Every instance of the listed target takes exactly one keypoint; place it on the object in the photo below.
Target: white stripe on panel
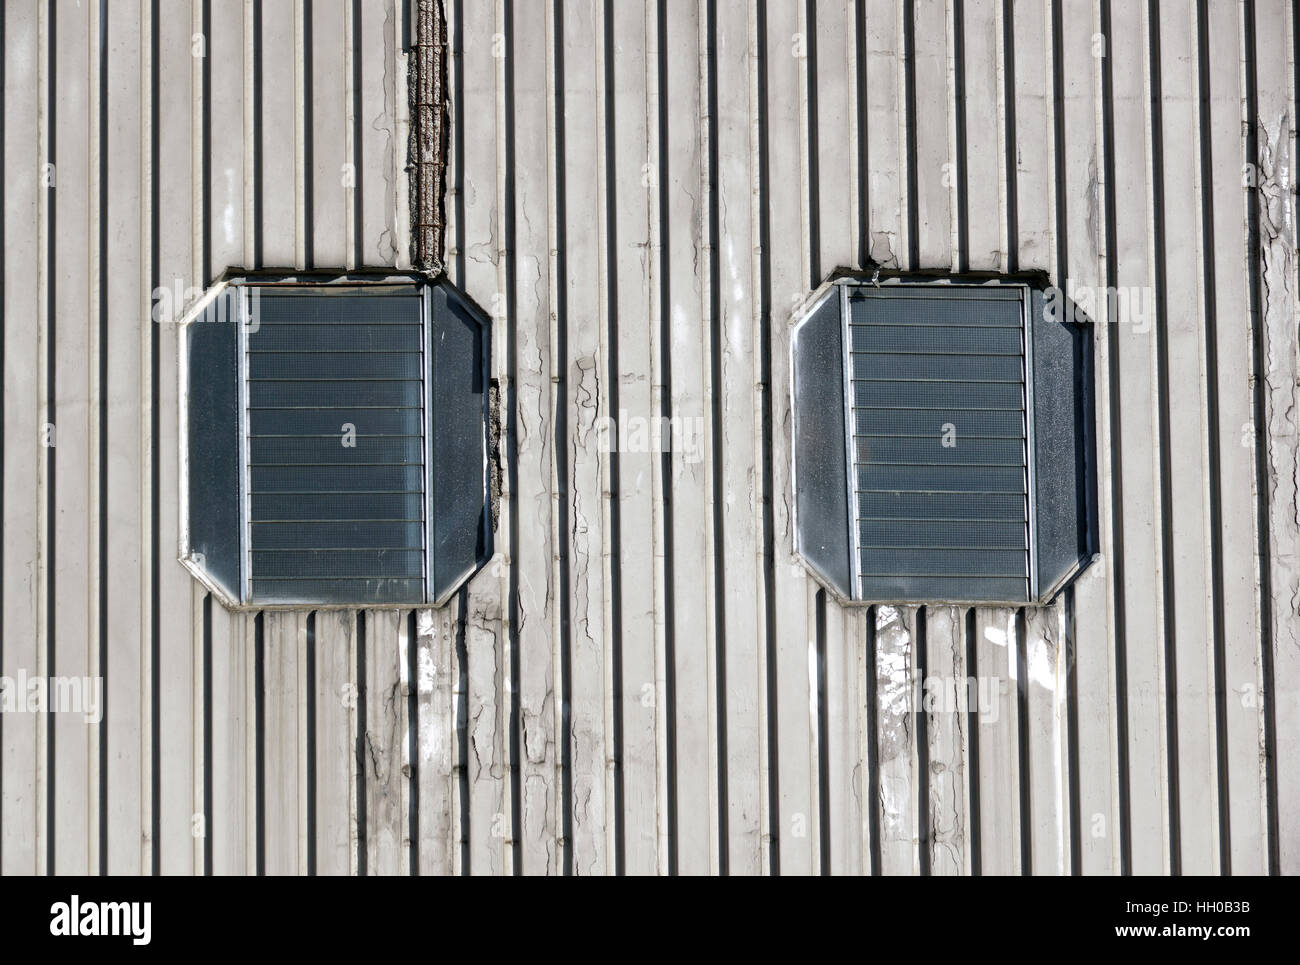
(1092, 654)
(284, 742)
(225, 151)
(126, 396)
(694, 750)
(1044, 688)
(277, 152)
(984, 147)
(232, 678)
(1135, 344)
(385, 743)
(73, 326)
(537, 630)
(333, 175)
(436, 740)
(178, 721)
(936, 175)
(634, 430)
(586, 402)
(886, 144)
(480, 186)
(896, 673)
(1241, 618)
(335, 697)
(998, 739)
(796, 778)
(383, 155)
(945, 699)
(742, 638)
(23, 451)
(1193, 596)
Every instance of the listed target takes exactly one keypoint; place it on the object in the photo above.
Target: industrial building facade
(644, 199)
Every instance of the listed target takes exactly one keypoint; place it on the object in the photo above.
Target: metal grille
(335, 447)
(940, 479)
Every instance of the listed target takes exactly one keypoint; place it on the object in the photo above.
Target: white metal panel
(659, 185)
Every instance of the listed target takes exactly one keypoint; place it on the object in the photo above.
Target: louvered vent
(335, 447)
(939, 442)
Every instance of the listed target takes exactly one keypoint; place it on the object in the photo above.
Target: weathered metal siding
(644, 678)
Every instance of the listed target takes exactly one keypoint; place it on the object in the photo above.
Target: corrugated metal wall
(644, 678)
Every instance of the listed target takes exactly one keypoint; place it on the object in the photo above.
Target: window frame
(240, 282)
(1030, 285)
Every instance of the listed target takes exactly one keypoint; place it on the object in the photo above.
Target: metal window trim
(327, 282)
(850, 464)
(184, 548)
(1031, 449)
(426, 433)
(801, 315)
(245, 455)
(484, 323)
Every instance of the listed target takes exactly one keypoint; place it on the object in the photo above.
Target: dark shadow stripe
(1009, 132)
(362, 769)
(974, 821)
(909, 119)
(1259, 413)
(823, 748)
(461, 766)
(358, 182)
(921, 643)
(257, 136)
(1061, 228)
(1022, 745)
(814, 163)
(510, 450)
(413, 742)
(768, 484)
(4, 326)
(51, 361)
(458, 126)
(308, 139)
(209, 816)
(259, 739)
(102, 359)
(873, 745)
(615, 481)
(1116, 561)
(715, 411)
(205, 137)
(1210, 301)
(859, 14)
(959, 122)
(666, 458)
(1163, 408)
(559, 375)
(155, 510)
(310, 698)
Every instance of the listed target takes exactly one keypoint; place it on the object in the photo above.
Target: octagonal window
(943, 440)
(335, 440)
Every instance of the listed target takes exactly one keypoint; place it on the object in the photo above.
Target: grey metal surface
(458, 510)
(821, 494)
(215, 466)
